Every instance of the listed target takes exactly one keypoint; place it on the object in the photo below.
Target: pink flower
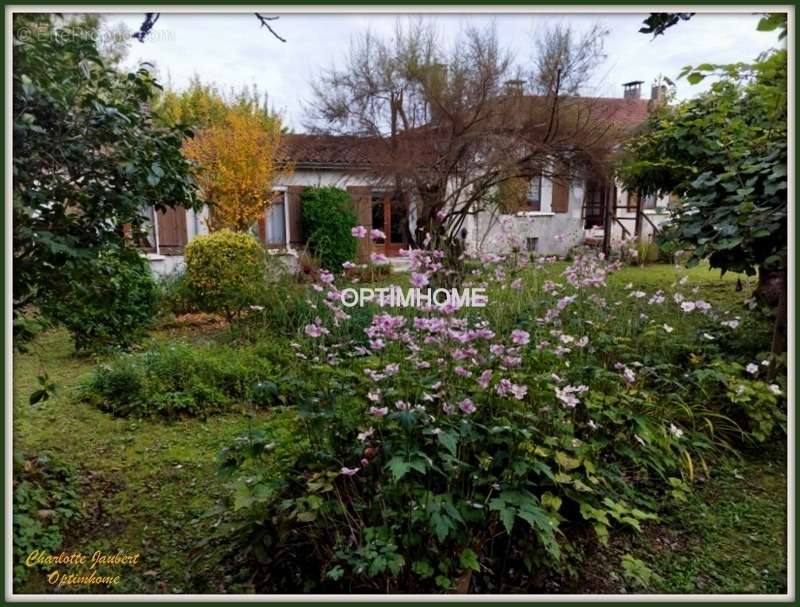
(752, 368)
(484, 379)
(345, 471)
(379, 259)
(503, 387)
(517, 284)
(377, 234)
(687, 306)
(519, 392)
(629, 375)
(567, 395)
(520, 337)
(467, 406)
(313, 330)
(379, 411)
(419, 280)
(359, 231)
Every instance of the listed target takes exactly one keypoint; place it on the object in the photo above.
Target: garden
(602, 421)
(590, 407)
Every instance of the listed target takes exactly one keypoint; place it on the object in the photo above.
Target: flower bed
(454, 449)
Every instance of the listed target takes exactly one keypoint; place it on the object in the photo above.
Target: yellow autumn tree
(237, 166)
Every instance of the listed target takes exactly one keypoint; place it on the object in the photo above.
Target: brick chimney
(514, 87)
(437, 85)
(632, 89)
(658, 92)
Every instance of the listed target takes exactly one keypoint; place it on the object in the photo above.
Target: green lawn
(146, 485)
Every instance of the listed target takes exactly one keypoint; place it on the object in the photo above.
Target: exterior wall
(164, 263)
(324, 178)
(359, 185)
(556, 233)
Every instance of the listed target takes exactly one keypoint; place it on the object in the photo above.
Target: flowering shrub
(446, 448)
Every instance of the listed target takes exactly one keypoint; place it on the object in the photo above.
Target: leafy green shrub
(111, 306)
(476, 449)
(226, 271)
(177, 296)
(328, 219)
(180, 380)
(45, 503)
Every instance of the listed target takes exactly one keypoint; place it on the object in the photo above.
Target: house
(318, 160)
(554, 215)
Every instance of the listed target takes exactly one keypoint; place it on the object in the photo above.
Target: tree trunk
(779, 330)
(768, 290)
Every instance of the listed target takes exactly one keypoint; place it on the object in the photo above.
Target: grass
(147, 485)
(729, 537)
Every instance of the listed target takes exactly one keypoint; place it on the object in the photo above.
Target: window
(535, 193)
(276, 222)
(531, 244)
(147, 237)
(650, 201)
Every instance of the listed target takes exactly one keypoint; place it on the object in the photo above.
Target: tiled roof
(330, 151)
(353, 152)
(623, 112)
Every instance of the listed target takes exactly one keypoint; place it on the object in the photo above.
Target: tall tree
(237, 165)
(87, 158)
(201, 105)
(449, 124)
(724, 153)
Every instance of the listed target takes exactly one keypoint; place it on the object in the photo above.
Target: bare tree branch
(147, 25)
(445, 126)
(151, 18)
(265, 23)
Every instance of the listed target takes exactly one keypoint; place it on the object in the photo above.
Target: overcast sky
(232, 50)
